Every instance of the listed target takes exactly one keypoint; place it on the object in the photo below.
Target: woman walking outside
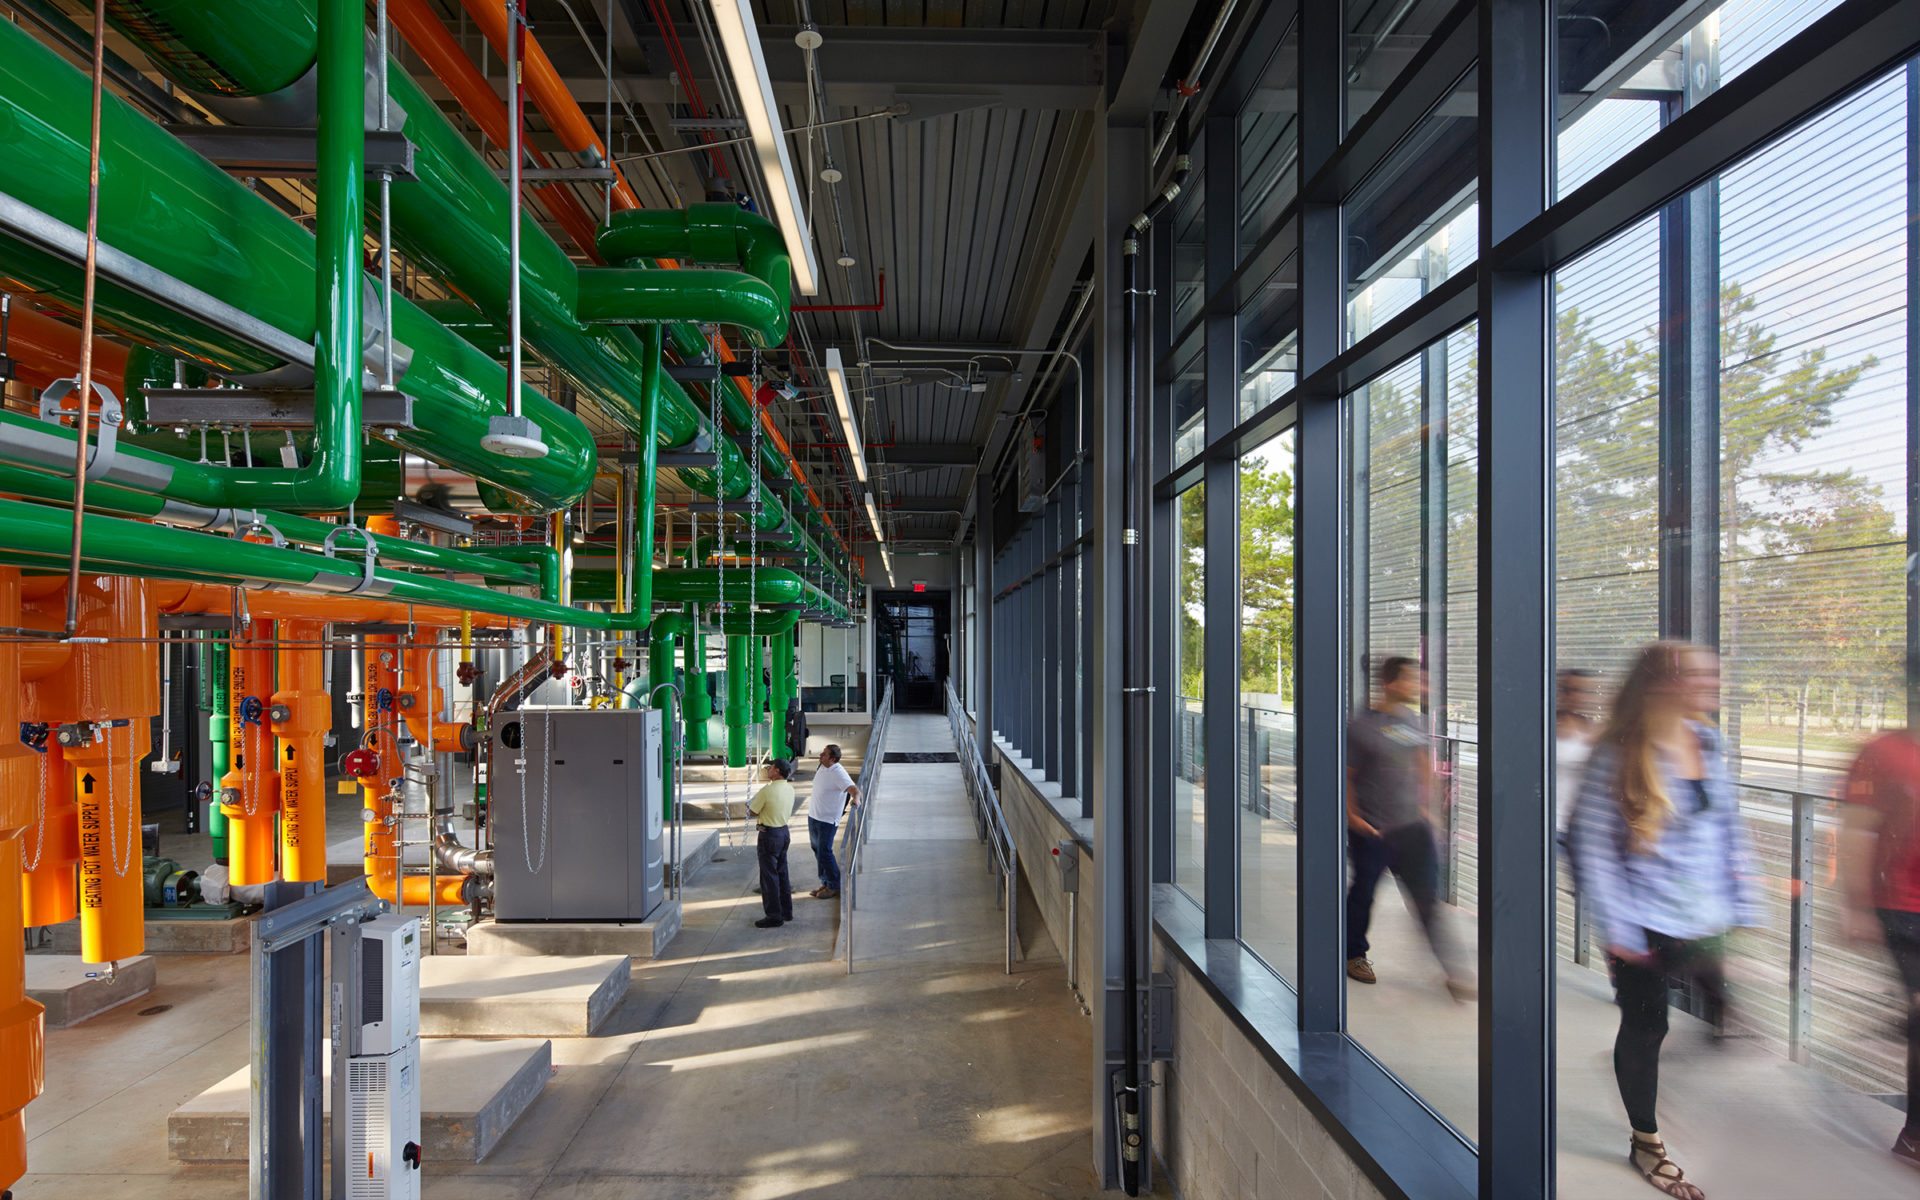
(1660, 852)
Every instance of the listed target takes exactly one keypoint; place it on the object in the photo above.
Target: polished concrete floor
(746, 1064)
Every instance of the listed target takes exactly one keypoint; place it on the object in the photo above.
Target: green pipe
(219, 735)
(781, 693)
(644, 295)
(204, 47)
(759, 677)
(19, 481)
(759, 624)
(699, 700)
(713, 235)
(738, 694)
(168, 207)
(542, 557)
(648, 474)
(660, 648)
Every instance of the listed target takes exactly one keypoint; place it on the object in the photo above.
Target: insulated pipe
(758, 646)
(172, 212)
(44, 349)
(780, 692)
(52, 886)
(380, 832)
(112, 885)
(739, 694)
(302, 712)
(219, 736)
(667, 630)
(22, 1031)
(250, 790)
(697, 704)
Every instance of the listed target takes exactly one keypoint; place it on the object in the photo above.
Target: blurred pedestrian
(1576, 698)
(1389, 786)
(1661, 853)
(772, 808)
(1880, 874)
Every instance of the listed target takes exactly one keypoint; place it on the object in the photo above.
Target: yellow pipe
(112, 883)
(557, 537)
(466, 639)
(302, 712)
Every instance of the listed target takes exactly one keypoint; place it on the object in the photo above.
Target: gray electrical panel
(577, 814)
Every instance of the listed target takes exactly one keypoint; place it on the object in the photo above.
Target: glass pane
(1654, 55)
(1412, 743)
(1270, 145)
(1189, 661)
(1795, 562)
(1189, 398)
(1270, 340)
(1189, 245)
(1413, 223)
(1383, 36)
(1269, 833)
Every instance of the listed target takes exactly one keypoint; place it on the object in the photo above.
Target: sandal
(1664, 1174)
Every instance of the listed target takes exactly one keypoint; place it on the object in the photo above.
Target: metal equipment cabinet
(577, 814)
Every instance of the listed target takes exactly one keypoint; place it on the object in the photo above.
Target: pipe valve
(251, 709)
(280, 714)
(361, 764)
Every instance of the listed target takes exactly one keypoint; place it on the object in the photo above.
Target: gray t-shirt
(1388, 754)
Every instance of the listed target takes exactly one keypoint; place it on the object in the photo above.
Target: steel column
(1220, 700)
(1515, 579)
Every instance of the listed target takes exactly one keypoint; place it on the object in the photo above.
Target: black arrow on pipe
(86, 783)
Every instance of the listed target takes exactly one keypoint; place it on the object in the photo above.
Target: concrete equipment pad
(697, 848)
(211, 936)
(72, 990)
(495, 995)
(471, 1093)
(645, 940)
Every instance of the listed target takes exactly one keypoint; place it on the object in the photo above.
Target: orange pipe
(45, 349)
(302, 713)
(106, 789)
(550, 94)
(380, 842)
(250, 793)
(427, 34)
(175, 597)
(51, 892)
(22, 1030)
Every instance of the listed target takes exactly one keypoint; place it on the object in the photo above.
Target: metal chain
(753, 548)
(40, 815)
(121, 863)
(720, 566)
(546, 792)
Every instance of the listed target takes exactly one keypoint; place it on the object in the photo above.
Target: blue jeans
(821, 833)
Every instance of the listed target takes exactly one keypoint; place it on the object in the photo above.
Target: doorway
(910, 646)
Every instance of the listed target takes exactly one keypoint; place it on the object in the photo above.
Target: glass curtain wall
(1718, 443)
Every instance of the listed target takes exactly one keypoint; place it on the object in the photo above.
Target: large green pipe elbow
(709, 234)
(539, 555)
(646, 295)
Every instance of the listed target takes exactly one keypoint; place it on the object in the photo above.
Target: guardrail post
(1800, 926)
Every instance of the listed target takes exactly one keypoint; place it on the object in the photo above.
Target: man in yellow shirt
(772, 807)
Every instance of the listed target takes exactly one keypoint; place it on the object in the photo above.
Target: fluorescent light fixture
(873, 517)
(740, 39)
(886, 561)
(843, 404)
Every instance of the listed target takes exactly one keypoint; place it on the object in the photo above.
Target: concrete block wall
(1230, 1127)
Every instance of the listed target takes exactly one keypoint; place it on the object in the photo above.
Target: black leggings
(1903, 942)
(1641, 991)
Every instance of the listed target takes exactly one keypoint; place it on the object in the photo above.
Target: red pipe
(876, 306)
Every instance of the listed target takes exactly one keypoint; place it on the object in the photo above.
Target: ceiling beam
(924, 454)
(931, 70)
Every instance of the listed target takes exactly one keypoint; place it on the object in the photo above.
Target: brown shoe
(816, 893)
(1360, 970)
(828, 893)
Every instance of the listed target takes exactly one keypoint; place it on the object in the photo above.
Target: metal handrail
(860, 821)
(990, 820)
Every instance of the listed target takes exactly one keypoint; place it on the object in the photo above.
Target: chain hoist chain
(546, 785)
(40, 813)
(121, 862)
(753, 550)
(720, 562)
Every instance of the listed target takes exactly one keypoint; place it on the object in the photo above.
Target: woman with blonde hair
(1661, 854)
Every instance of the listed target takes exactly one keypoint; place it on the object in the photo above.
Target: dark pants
(1903, 942)
(1410, 853)
(1640, 989)
(821, 834)
(776, 889)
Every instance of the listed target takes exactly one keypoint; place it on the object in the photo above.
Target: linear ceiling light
(873, 517)
(843, 404)
(741, 40)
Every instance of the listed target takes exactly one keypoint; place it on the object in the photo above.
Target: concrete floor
(745, 1064)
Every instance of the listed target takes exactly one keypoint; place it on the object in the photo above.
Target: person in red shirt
(1880, 871)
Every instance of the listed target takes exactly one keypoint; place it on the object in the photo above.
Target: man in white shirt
(833, 790)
